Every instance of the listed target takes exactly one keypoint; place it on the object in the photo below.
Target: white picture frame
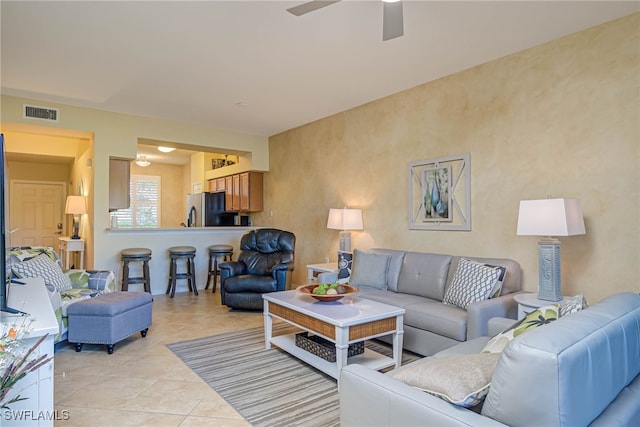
(450, 178)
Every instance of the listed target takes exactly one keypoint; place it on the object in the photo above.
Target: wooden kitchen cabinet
(229, 192)
(235, 193)
(244, 191)
(218, 184)
(251, 192)
(119, 173)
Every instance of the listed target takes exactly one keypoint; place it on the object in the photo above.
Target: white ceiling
(250, 66)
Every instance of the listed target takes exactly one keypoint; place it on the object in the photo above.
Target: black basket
(323, 348)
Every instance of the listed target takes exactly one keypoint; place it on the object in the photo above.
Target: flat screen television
(4, 204)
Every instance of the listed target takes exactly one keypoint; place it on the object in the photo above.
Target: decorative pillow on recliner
(471, 283)
(369, 270)
(535, 319)
(462, 380)
(43, 266)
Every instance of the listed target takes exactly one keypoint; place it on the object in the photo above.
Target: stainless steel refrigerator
(208, 210)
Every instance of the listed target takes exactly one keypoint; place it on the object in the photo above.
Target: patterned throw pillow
(462, 380)
(100, 280)
(43, 266)
(574, 304)
(535, 319)
(471, 283)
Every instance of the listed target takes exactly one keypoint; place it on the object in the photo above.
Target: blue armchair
(265, 264)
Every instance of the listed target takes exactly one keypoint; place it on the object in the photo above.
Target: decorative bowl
(308, 290)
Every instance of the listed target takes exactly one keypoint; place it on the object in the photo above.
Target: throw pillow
(472, 282)
(100, 280)
(497, 289)
(396, 258)
(43, 266)
(369, 270)
(535, 319)
(573, 304)
(462, 380)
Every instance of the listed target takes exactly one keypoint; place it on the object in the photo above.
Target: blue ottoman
(109, 318)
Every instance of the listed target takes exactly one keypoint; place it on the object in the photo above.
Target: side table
(314, 269)
(529, 302)
(67, 245)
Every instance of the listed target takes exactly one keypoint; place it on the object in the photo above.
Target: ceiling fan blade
(392, 23)
(310, 6)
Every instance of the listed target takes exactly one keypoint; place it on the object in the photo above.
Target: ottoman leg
(110, 348)
(78, 346)
(144, 332)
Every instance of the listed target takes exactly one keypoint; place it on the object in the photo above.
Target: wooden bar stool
(215, 252)
(142, 255)
(187, 253)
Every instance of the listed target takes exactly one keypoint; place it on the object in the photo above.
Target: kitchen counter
(159, 240)
(173, 230)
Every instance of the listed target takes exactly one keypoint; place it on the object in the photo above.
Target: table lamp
(345, 220)
(76, 206)
(550, 217)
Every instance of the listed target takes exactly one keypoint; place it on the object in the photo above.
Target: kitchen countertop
(173, 230)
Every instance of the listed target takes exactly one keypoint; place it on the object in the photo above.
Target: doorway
(36, 212)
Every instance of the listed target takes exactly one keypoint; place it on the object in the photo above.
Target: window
(144, 211)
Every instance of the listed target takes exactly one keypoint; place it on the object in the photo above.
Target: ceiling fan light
(165, 149)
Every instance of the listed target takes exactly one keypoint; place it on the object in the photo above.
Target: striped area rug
(267, 387)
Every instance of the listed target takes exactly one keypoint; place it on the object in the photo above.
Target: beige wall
(39, 171)
(561, 119)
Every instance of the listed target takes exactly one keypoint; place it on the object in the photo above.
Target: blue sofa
(580, 370)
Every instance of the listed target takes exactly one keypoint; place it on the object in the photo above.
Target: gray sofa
(583, 369)
(417, 282)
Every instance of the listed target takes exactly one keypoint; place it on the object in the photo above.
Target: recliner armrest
(231, 268)
(282, 273)
(283, 266)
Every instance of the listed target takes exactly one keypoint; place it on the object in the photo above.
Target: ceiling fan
(392, 25)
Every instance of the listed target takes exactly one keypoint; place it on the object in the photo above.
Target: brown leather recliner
(265, 264)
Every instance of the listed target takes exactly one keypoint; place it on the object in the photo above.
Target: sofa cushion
(424, 275)
(45, 267)
(462, 380)
(431, 315)
(369, 270)
(388, 297)
(472, 282)
(539, 317)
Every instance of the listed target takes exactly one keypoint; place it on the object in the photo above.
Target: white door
(36, 212)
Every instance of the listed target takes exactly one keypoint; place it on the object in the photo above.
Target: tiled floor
(142, 383)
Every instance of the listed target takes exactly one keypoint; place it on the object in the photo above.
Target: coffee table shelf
(342, 322)
(371, 359)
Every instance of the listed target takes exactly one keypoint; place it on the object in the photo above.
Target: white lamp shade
(76, 205)
(550, 217)
(345, 219)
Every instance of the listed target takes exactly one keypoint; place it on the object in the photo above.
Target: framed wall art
(440, 194)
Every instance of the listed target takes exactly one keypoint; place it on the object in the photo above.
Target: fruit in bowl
(327, 291)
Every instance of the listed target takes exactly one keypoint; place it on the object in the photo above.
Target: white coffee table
(342, 322)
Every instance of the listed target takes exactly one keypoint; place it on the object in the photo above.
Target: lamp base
(345, 241)
(76, 229)
(549, 284)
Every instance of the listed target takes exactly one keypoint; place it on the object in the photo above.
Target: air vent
(41, 113)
